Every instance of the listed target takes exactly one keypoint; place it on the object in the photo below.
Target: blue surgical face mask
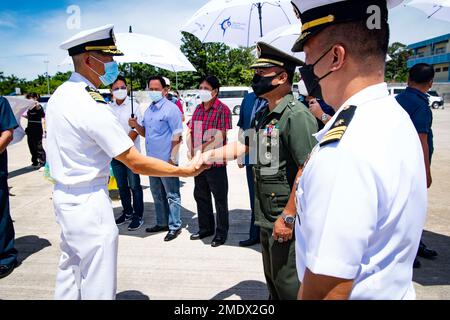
(155, 96)
(111, 72)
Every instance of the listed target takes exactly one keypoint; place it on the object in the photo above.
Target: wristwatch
(324, 117)
(288, 219)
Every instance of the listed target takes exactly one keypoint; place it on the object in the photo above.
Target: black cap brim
(304, 37)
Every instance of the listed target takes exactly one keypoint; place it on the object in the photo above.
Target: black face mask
(262, 85)
(312, 82)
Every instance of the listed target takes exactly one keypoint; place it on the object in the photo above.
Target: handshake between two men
(153, 167)
(213, 152)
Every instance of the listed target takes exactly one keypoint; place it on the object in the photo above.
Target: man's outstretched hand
(207, 157)
(196, 166)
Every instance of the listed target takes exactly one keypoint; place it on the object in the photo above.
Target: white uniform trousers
(89, 239)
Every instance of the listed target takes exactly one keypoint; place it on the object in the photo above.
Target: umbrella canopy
(239, 22)
(140, 48)
(19, 106)
(151, 50)
(283, 39)
(439, 9)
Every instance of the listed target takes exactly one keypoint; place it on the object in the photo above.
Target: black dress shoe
(173, 234)
(7, 270)
(157, 229)
(249, 242)
(217, 242)
(426, 253)
(416, 264)
(201, 235)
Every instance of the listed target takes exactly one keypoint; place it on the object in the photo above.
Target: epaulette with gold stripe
(96, 95)
(339, 127)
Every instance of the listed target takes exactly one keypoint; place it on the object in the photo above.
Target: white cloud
(8, 20)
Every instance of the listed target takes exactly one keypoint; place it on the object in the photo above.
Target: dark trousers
(34, 139)
(129, 183)
(279, 267)
(213, 181)
(8, 254)
(254, 230)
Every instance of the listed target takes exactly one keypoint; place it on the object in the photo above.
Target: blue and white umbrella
(239, 22)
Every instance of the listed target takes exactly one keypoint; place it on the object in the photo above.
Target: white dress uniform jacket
(362, 200)
(83, 136)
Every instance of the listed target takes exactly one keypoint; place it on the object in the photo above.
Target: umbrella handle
(132, 116)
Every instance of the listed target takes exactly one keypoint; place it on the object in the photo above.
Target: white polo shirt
(362, 201)
(123, 114)
(83, 135)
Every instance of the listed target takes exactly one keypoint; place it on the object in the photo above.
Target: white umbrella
(140, 48)
(239, 22)
(152, 50)
(19, 106)
(439, 9)
(283, 38)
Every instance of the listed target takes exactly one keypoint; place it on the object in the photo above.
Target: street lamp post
(46, 73)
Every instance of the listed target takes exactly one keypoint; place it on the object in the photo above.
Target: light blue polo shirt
(162, 121)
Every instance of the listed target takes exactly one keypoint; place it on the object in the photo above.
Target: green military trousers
(279, 267)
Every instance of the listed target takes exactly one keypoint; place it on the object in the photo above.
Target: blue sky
(31, 30)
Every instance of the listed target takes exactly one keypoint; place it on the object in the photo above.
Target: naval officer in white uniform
(361, 199)
(83, 136)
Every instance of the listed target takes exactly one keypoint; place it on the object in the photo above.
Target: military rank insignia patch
(95, 95)
(339, 127)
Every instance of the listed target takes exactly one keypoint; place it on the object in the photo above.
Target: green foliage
(396, 69)
(8, 84)
(230, 66)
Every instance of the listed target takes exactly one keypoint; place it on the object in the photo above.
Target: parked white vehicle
(393, 91)
(233, 96)
(434, 100)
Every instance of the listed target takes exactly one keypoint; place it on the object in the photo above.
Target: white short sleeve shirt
(123, 114)
(83, 135)
(362, 201)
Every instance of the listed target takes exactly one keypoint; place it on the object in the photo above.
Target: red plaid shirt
(208, 123)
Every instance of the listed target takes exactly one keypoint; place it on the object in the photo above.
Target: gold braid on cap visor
(318, 22)
(263, 60)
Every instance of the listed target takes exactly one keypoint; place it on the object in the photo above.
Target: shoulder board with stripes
(339, 127)
(95, 95)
